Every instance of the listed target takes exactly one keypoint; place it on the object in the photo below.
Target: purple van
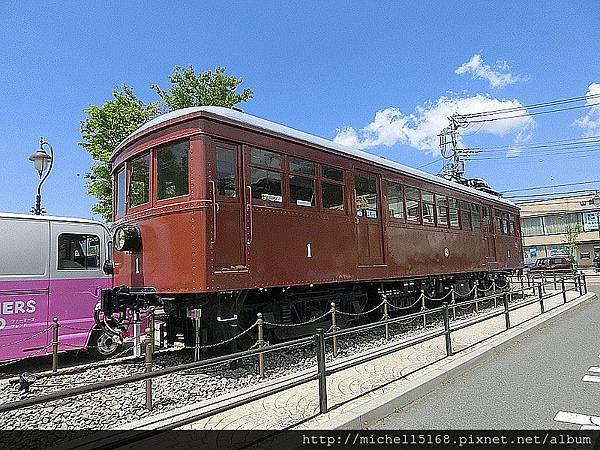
(52, 267)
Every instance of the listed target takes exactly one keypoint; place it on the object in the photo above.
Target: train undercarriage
(297, 310)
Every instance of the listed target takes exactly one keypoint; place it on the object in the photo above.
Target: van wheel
(103, 345)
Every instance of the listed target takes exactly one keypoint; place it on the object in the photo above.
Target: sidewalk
(402, 375)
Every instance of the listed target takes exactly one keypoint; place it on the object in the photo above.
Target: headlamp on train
(128, 238)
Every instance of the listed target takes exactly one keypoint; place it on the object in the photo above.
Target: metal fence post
(386, 317)
(137, 331)
(320, 342)
(564, 291)
(453, 300)
(334, 329)
(541, 297)
(476, 296)
(148, 365)
(584, 283)
(152, 324)
(55, 344)
(447, 330)
(506, 310)
(580, 286)
(423, 309)
(521, 279)
(554, 279)
(261, 343)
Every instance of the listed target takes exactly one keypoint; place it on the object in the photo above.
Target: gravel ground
(117, 406)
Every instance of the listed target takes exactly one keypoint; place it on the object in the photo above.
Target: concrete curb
(397, 396)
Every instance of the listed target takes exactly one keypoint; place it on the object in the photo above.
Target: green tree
(572, 231)
(207, 88)
(103, 129)
(107, 125)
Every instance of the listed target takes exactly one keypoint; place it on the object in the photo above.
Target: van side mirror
(108, 267)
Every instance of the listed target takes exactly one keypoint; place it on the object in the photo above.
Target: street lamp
(41, 161)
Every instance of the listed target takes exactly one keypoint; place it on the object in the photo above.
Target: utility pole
(454, 166)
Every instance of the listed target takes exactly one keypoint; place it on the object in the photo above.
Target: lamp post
(41, 161)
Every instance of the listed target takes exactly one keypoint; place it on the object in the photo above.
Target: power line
(547, 194)
(536, 188)
(528, 114)
(529, 107)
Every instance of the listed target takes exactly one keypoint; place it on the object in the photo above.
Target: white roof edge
(8, 215)
(267, 125)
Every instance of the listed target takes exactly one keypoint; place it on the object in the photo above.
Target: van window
(172, 170)
(78, 252)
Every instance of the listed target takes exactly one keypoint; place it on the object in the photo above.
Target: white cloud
(497, 78)
(420, 129)
(590, 122)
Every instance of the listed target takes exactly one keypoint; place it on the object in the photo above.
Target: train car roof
(263, 124)
(8, 215)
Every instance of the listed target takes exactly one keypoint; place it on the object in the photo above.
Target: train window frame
(465, 216)
(130, 164)
(399, 196)
(324, 180)
(475, 212)
(453, 205)
(428, 200)
(120, 194)
(156, 189)
(441, 202)
(281, 171)
(294, 173)
(236, 167)
(413, 219)
(366, 213)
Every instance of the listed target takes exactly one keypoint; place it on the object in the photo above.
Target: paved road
(525, 386)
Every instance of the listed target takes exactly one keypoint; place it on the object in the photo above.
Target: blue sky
(322, 67)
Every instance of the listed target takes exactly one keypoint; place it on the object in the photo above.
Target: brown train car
(223, 211)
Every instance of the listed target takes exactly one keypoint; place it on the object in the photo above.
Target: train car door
(228, 238)
(369, 225)
(488, 234)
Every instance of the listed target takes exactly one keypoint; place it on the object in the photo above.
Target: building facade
(547, 226)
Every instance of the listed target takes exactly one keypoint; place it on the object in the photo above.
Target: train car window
(172, 170)
(120, 193)
(302, 191)
(487, 226)
(265, 158)
(366, 196)
(301, 166)
(331, 173)
(465, 215)
(332, 196)
(504, 223)
(395, 200)
(498, 221)
(453, 212)
(78, 252)
(475, 218)
(413, 204)
(428, 208)
(512, 229)
(139, 181)
(442, 210)
(226, 172)
(266, 185)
